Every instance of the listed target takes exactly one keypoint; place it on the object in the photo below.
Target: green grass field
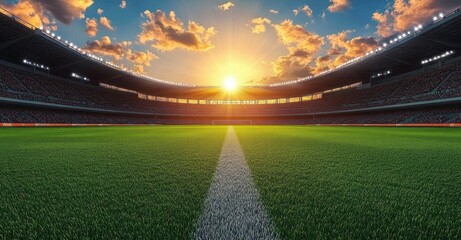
(356, 183)
(151, 182)
(111, 183)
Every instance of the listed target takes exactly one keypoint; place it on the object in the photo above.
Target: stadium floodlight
(35, 65)
(75, 75)
(441, 15)
(381, 74)
(435, 58)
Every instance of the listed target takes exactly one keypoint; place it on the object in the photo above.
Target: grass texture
(105, 183)
(357, 183)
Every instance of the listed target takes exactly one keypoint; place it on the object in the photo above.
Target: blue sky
(222, 39)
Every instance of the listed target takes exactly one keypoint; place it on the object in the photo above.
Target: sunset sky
(205, 41)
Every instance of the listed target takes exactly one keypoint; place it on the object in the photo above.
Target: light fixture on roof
(435, 58)
(75, 75)
(382, 74)
(35, 65)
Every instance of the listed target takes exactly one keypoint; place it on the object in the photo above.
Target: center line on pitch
(233, 209)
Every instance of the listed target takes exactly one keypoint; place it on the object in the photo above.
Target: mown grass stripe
(233, 209)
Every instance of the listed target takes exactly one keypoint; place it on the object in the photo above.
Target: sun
(230, 84)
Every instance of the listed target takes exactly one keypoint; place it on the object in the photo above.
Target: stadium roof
(19, 41)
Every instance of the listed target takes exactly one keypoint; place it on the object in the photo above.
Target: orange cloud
(140, 58)
(259, 25)
(91, 27)
(226, 6)
(404, 14)
(168, 33)
(121, 51)
(302, 46)
(343, 49)
(384, 28)
(30, 12)
(306, 9)
(44, 12)
(107, 48)
(296, 37)
(338, 5)
(106, 23)
(138, 68)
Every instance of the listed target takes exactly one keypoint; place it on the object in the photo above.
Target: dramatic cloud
(168, 33)
(343, 49)
(138, 68)
(274, 11)
(100, 11)
(30, 12)
(44, 12)
(259, 25)
(383, 29)
(91, 27)
(121, 51)
(140, 58)
(106, 23)
(306, 9)
(122, 4)
(338, 5)
(107, 48)
(226, 6)
(302, 46)
(296, 37)
(404, 14)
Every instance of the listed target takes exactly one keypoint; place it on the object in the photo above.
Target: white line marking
(233, 209)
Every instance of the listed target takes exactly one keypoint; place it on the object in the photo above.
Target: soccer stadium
(333, 119)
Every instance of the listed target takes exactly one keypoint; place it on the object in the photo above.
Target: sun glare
(230, 84)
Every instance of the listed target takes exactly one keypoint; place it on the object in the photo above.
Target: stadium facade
(413, 77)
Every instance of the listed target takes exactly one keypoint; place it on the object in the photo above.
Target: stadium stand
(439, 83)
(435, 84)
